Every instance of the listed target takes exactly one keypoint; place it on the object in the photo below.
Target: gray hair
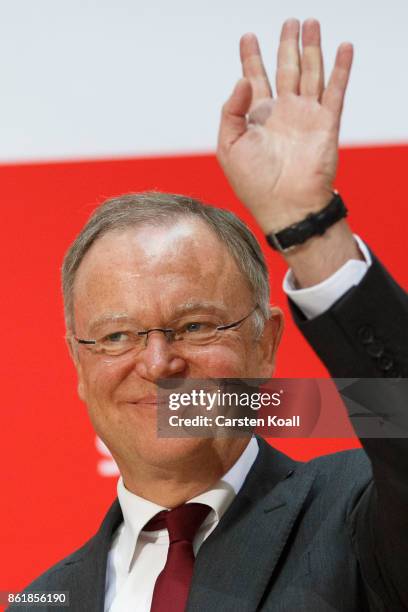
(158, 208)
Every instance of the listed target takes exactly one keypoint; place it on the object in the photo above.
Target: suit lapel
(84, 573)
(237, 561)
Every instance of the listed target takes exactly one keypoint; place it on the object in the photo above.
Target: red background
(53, 498)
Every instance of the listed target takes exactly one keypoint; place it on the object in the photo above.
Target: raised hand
(280, 154)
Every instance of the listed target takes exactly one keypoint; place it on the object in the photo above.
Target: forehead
(154, 268)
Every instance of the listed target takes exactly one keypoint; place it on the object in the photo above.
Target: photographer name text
(223, 421)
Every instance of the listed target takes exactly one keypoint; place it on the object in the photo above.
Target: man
(146, 275)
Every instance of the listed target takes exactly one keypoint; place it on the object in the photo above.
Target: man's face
(148, 276)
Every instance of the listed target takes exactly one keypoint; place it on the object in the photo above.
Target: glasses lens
(118, 343)
(196, 331)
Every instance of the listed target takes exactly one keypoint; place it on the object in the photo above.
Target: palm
(299, 139)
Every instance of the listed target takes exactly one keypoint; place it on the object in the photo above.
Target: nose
(159, 358)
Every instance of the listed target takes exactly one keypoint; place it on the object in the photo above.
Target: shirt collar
(137, 511)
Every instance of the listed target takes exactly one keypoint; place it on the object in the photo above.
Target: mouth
(148, 400)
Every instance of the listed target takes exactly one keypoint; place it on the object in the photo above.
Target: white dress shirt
(137, 557)
(315, 300)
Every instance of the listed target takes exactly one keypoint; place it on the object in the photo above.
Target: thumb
(233, 117)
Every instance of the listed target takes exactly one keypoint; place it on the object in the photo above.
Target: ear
(73, 351)
(71, 344)
(269, 341)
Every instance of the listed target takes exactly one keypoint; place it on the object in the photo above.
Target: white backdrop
(107, 78)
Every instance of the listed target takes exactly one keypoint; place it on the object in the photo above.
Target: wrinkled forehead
(187, 246)
(148, 263)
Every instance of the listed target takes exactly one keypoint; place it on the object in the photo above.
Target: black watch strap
(315, 224)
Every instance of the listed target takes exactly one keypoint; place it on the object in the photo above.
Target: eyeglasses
(198, 330)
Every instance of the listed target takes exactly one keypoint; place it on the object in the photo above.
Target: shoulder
(50, 579)
(85, 564)
(342, 470)
(339, 480)
(54, 578)
(355, 461)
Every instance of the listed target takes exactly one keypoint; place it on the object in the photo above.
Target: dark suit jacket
(325, 535)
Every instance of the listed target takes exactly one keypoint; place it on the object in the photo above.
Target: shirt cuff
(315, 300)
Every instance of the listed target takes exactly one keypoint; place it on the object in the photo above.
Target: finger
(333, 96)
(288, 70)
(233, 118)
(312, 78)
(253, 68)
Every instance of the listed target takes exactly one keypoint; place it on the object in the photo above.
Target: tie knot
(182, 522)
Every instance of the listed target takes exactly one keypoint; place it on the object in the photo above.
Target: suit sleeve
(365, 335)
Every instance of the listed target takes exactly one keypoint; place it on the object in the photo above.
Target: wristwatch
(315, 224)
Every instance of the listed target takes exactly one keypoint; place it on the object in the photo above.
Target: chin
(145, 448)
(167, 452)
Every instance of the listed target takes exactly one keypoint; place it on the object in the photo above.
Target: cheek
(223, 362)
(100, 380)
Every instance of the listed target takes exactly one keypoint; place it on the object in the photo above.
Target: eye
(197, 327)
(194, 326)
(116, 337)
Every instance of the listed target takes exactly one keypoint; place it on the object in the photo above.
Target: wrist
(284, 212)
(321, 256)
(314, 224)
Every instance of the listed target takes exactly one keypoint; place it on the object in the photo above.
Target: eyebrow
(188, 307)
(214, 307)
(109, 317)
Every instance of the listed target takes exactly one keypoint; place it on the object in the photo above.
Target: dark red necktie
(173, 583)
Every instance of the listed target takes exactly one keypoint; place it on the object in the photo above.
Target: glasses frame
(168, 332)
